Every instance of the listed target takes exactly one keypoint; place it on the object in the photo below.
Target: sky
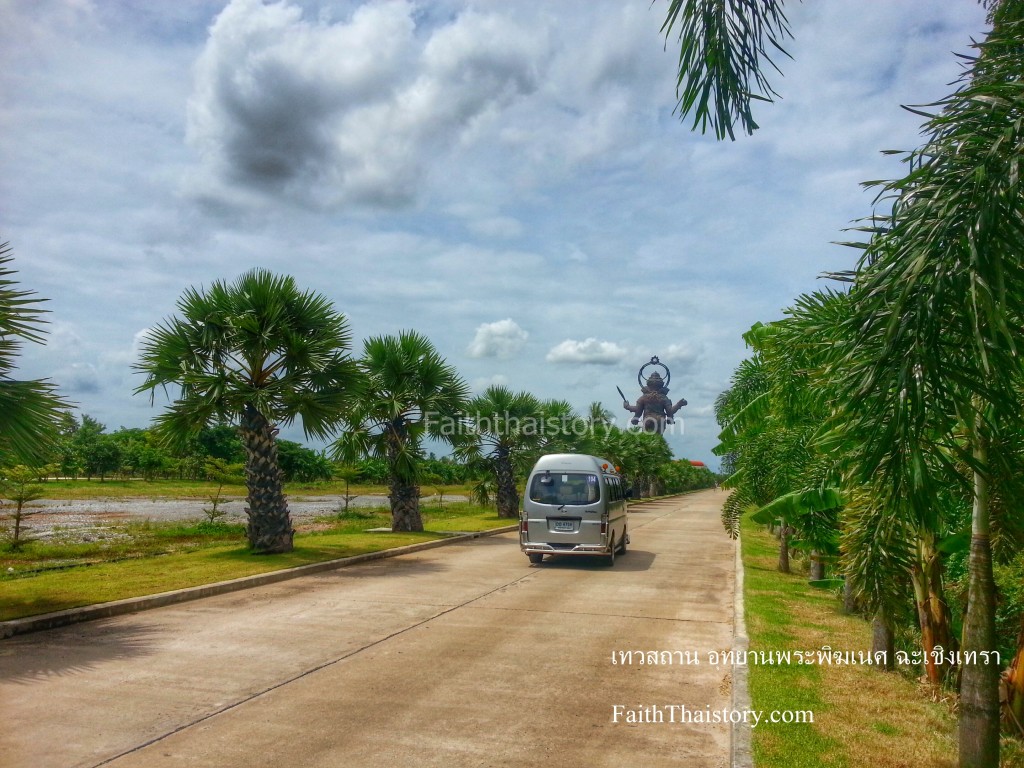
(507, 178)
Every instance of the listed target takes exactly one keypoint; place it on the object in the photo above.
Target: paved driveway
(464, 655)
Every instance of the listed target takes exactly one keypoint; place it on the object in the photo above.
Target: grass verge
(144, 559)
(863, 717)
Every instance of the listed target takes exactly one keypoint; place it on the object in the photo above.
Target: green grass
(86, 585)
(146, 558)
(863, 717)
(112, 542)
(772, 626)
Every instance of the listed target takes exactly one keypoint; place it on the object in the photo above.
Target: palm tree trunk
(16, 541)
(405, 491)
(784, 549)
(270, 526)
(507, 495)
(817, 569)
(405, 506)
(932, 611)
(882, 639)
(979, 683)
(849, 597)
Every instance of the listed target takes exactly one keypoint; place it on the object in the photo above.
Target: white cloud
(577, 255)
(503, 339)
(139, 340)
(671, 354)
(358, 111)
(63, 339)
(480, 384)
(589, 350)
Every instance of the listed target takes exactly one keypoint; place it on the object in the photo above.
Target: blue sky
(507, 178)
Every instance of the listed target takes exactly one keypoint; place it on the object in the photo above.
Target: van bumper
(577, 549)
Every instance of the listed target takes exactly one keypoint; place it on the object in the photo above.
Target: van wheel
(625, 541)
(536, 558)
(611, 553)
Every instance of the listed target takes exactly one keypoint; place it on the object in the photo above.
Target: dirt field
(84, 519)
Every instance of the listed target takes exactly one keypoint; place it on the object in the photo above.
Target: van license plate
(563, 525)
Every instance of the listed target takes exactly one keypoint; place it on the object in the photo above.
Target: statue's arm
(676, 407)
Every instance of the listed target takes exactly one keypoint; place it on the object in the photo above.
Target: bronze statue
(653, 408)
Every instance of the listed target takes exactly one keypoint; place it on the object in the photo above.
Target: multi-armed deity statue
(653, 409)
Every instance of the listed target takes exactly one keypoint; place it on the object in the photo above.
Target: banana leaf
(792, 505)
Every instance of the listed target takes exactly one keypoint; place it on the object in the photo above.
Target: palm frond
(725, 46)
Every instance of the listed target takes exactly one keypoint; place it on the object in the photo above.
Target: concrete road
(464, 655)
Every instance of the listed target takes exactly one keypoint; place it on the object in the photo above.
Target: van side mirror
(629, 493)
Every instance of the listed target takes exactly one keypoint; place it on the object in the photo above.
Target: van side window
(609, 484)
(616, 488)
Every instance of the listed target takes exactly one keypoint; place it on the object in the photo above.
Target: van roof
(575, 461)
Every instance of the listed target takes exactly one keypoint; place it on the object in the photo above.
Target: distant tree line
(84, 449)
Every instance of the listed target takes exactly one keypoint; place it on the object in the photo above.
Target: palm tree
(564, 430)
(939, 291)
(597, 414)
(411, 392)
(30, 411)
(507, 429)
(639, 455)
(255, 353)
(785, 423)
(940, 323)
(887, 545)
(770, 417)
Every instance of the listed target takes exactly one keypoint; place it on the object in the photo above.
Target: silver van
(574, 505)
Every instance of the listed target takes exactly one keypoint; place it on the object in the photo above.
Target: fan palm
(255, 353)
(597, 414)
(30, 411)
(411, 392)
(564, 430)
(507, 429)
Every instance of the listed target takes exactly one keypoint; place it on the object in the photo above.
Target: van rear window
(569, 488)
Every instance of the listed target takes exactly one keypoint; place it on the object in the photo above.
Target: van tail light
(604, 525)
(523, 525)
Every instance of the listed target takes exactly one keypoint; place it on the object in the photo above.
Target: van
(574, 504)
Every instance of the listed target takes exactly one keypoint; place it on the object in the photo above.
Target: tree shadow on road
(38, 656)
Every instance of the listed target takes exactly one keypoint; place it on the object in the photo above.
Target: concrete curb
(134, 604)
(740, 751)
